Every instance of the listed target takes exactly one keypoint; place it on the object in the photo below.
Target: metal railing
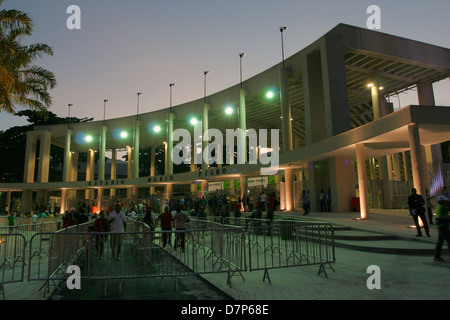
(288, 243)
(12, 259)
(205, 247)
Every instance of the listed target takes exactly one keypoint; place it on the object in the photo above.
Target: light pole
(170, 102)
(205, 73)
(104, 110)
(137, 111)
(68, 124)
(282, 45)
(240, 65)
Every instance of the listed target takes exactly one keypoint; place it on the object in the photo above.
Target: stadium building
(331, 104)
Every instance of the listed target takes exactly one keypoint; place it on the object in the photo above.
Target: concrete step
(368, 241)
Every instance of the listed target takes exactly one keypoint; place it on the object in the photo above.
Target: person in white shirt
(118, 225)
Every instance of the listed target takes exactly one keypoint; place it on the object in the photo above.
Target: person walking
(149, 220)
(416, 209)
(118, 226)
(305, 202)
(180, 219)
(101, 225)
(442, 224)
(322, 198)
(269, 217)
(11, 221)
(166, 225)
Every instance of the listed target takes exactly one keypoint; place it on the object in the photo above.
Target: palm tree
(21, 82)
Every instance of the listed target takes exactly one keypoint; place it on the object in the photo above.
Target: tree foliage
(13, 143)
(21, 82)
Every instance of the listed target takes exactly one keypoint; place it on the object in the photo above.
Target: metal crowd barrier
(143, 254)
(12, 259)
(207, 246)
(288, 243)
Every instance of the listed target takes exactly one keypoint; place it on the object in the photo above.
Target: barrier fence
(207, 246)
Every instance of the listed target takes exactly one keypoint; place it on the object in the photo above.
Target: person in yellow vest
(442, 224)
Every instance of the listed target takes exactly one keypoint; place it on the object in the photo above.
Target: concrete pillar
(44, 156)
(243, 156)
(335, 98)
(102, 150)
(130, 162)
(26, 202)
(362, 180)
(89, 193)
(152, 167)
(289, 188)
(376, 101)
(170, 145)
(129, 169)
(73, 175)
(63, 206)
(100, 199)
(384, 177)
(205, 137)
(342, 183)
(389, 167)
(286, 124)
(407, 165)
(169, 191)
(112, 191)
(204, 188)
(396, 167)
(67, 157)
(30, 157)
(425, 94)
(434, 152)
(416, 158)
(166, 158)
(136, 147)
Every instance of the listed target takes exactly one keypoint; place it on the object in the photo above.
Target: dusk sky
(125, 47)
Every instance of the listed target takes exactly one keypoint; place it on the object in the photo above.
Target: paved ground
(406, 268)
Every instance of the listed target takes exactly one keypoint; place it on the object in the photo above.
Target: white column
(289, 188)
(30, 158)
(242, 156)
(170, 145)
(112, 191)
(152, 167)
(136, 149)
(67, 157)
(205, 138)
(362, 180)
(44, 156)
(433, 156)
(101, 158)
(90, 172)
(286, 125)
(376, 105)
(416, 158)
(130, 162)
